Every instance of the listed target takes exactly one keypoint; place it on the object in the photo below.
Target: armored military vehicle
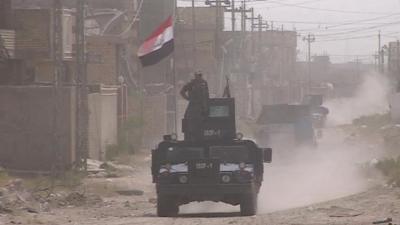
(285, 126)
(218, 166)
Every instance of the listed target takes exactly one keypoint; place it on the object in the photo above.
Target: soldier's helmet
(198, 74)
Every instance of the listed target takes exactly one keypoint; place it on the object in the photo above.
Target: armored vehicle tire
(248, 205)
(167, 206)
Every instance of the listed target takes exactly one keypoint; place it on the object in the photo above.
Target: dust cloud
(370, 98)
(300, 177)
(333, 169)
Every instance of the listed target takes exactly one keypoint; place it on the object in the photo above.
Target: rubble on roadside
(14, 197)
(99, 169)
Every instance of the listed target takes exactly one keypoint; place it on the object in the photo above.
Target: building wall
(102, 122)
(205, 55)
(261, 66)
(32, 33)
(155, 116)
(5, 14)
(27, 134)
(104, 71)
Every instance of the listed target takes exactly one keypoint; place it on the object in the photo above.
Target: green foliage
(391, 169)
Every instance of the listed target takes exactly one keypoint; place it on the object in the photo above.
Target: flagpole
(174, 69)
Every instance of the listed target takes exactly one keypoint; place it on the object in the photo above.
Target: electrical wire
(347, 23)
(134, 19)
(328, 10)
(355, 37)
(395, 23)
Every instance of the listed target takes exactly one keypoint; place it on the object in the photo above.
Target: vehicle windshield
(219, 111)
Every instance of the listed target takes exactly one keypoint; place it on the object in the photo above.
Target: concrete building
(26, 30)
(260, 65)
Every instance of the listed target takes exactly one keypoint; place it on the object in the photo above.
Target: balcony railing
(7, 41)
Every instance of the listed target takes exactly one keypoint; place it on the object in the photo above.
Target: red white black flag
(158, 45)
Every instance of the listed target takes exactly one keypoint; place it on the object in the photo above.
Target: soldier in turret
(196, 92)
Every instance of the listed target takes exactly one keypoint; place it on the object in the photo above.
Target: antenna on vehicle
(227, 91)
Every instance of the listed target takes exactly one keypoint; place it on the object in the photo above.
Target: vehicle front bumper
(205, 189)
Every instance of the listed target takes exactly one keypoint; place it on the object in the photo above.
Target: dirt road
(363, 208)
(290, 195)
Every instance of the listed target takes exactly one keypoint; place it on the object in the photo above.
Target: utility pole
(233, 15)
(58, 53)
(243, 8)
(233, 12)
(398, 65)
(358, 69)
(218, 5)
(252, 19)
(260, 25)
(194, 35)
(82, 90)
(310, 39)
(58, 56)
(383, 59)
(243, 11)
(217, 25)
(379, 52)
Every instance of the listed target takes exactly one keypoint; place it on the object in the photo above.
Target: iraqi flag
(158, 45)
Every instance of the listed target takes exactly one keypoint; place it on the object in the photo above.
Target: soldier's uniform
(196, 92)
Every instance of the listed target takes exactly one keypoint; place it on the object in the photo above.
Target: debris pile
(15, 197)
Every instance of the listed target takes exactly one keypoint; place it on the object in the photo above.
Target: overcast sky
(344, 29)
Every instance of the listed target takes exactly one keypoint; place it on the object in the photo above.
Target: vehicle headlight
(226, 178)
(175, 168)
(183, 179)
(232, 167)
(165, 168)
(248, 168)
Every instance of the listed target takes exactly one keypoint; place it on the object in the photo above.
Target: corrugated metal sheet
(8, 37)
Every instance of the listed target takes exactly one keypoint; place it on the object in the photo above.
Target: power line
(346, 23)
(296, 4)
(360, 29)
(371, 19)
(354, 38)
(329, 10)
(134, 19)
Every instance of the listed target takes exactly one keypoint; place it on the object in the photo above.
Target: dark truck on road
(219, 167)
(285, 127)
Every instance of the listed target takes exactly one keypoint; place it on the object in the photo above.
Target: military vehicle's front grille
(204, 171)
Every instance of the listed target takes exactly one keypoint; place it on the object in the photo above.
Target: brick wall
(105, 71)
(32, 33)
